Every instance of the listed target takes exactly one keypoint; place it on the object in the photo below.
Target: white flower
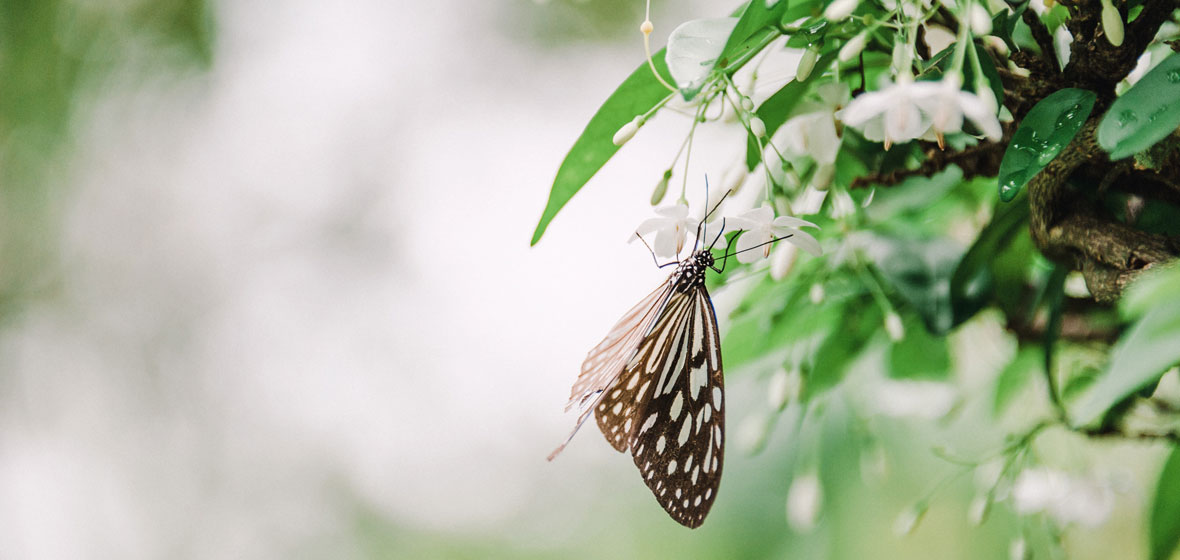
(804, 500)
(1087, 502)
(890, 114)
(913, 399)
(947, 104)
(813, 133)
(761, 227)
(906, 110)
(671, 229)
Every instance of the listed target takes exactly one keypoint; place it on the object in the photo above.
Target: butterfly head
(691, 272)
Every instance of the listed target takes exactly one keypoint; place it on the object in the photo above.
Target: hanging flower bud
(747, 104)
(646, 27)
(853, 46)
(908, 519)
(839, 10)
(661, 188)
(757, 127)
(977, 511)
(816, 293)
(782, 261)
(981, 20)
(628, 130)
(806, 63)
(1112, 23)
(804, 501)
(987, 96)
(894, 327)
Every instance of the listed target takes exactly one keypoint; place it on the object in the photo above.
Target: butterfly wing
(678, 446)
(607, 360)
(618, 411)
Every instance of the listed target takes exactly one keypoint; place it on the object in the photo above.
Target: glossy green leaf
(1142, 355)
(693, 50)
(1015, 376)
(1164, 530)
(1046, 130)
(973, 282)
(593, 148)
(1145, 114)
(920, 355)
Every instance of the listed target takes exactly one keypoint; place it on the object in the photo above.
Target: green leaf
(1015, 375)
(843, 344)
(1164, 532)
(1046, 130)
(1145, 114)
(1150, 347)
(754, 18)
(775, 110)
(1152, 287)
(693, 49)
(973, 282)
(919, 355)
(594, 147)
(1004, 23)
(920, 272)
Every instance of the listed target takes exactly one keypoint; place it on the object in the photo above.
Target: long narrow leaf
(635, 96)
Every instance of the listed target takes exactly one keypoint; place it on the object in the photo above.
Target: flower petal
(805, 241)
(791, 222)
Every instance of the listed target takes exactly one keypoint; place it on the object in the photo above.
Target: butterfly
(656, 389)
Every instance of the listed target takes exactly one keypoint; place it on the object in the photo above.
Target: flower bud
(977, 511)
(804, 501)
(747, 104)
(646, 27)
(782, 261)
(908, 519)
(661, 188)
(853, 46)
(987, 96)
(839, 10)
(894, 327)
(757, 127)
(628, 131)
(816, 293)
(1018, 550)
(1112, 23)
(806, 64)
(981, 20)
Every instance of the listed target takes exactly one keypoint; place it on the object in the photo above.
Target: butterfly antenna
(719, 234)
(701, 223)
(760, 245)
(653, 253)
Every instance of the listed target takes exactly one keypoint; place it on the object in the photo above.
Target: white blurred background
(294, 292)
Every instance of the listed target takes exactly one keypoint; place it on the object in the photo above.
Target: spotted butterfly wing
(655, 386)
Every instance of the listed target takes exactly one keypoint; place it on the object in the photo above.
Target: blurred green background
(265, 292)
